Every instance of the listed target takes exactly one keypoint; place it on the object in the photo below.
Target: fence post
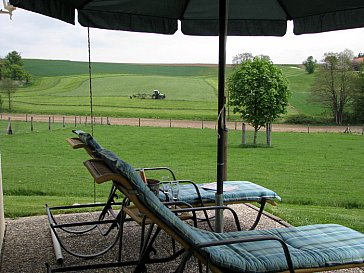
(268, 133)
(308, 128)
(75, 121)
(63, 122)
(49, 123)
(107, 121)
(170, 123)
(243, 133)
(101, 121)
(202, 124)
(139, 122)
(86, 120)
(53, 119)
(9, 131)
(31, 124)
(26, 117)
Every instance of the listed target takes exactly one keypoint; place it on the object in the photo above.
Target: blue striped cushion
(243, 191)
(312, 246)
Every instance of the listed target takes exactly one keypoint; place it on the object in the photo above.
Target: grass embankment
(62, 87)
(319, 176)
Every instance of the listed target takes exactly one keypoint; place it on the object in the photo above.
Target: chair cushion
(241, 191)
(313, 246)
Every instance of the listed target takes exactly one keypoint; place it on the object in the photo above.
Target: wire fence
(56, 121)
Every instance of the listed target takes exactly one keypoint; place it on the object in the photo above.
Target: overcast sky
(41, 37)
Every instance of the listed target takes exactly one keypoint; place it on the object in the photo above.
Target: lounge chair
(198, 195)
(297, 249)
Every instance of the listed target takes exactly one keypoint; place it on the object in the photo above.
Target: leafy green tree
(310, 65)
(12, 67)
(358, 98)
(258, 92)
(14, 58)
(334, 83)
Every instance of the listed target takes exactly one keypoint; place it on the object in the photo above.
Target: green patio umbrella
(207, 18)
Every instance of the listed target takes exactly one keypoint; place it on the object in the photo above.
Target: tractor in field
(156, 95)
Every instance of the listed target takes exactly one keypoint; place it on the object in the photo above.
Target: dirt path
(175, 123)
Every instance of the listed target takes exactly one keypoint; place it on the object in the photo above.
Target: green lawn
(318, 175)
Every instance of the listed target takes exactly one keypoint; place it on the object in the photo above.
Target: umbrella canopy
(201, 17)
(207, 18)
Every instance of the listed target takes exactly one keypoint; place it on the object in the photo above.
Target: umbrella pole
(221, 130)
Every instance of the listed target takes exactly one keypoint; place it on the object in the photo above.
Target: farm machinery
(156, 95)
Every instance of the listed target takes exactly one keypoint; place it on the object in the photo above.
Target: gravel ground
(28, 246)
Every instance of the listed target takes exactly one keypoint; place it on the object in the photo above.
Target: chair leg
(260, 212)
(147, 249)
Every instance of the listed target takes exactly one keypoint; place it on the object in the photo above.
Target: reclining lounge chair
(190, 192)
(297, 249)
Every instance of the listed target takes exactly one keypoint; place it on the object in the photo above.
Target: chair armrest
(194, 209)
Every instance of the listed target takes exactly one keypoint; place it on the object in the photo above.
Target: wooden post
(107, 121)
(49, 123)
(63, 122)
(139, 122)
(202, 124)
(79, 120)
(26, 117)
(9, 131)
(31, 124)
(75, 121)
(170, 123)
(53, 118)
(86, 120)
(101, 121)
(243, 133)
(308, 128)
(268, 133)
(235, 125)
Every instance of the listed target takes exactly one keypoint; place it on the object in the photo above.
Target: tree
(310, 65)
(242, 57)
(358, 98)
(258, 91)
(12, 67)
(9, 87)
(334, 82)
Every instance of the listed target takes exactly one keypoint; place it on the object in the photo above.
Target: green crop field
(318, 175)
(62, 87)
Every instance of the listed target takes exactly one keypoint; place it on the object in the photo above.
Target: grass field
(62, 87)
(318, 175)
